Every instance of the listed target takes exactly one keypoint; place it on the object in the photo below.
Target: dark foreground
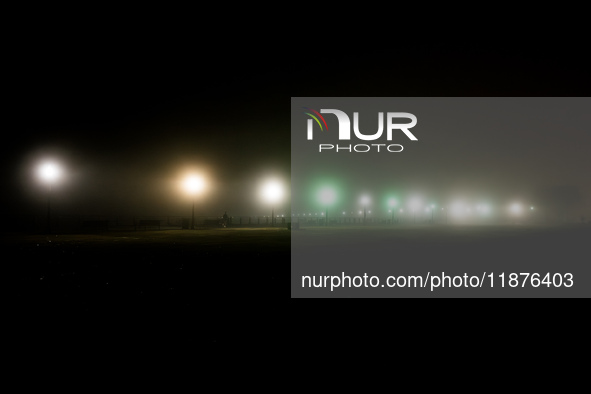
(204, 274)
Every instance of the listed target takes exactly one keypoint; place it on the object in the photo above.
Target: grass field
(217, 271)
(207, 272)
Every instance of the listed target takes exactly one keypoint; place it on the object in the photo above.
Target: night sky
(125, 121)
(126, 115)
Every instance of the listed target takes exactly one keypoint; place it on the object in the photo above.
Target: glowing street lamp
(516, 209)
(415, 204)
(193, 185)
(49, 172)
(365, 200)
(392, 202)
(327, 197)
(272, 192)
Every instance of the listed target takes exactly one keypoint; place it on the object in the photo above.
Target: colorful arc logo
(315, 118)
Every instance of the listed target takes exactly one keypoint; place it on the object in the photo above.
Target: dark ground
(208, 276)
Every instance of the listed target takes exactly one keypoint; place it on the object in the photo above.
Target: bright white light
(194, 184)
(516, 208)
(531, 208)
(415, 203)
(49, 172)
(327, 196)
(365, 200)
(272, 191)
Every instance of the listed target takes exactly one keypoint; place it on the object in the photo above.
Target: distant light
(49, 172)
(194, 184)
(389, 211)
(531, 208)
(368, 211)
(365, 200)
(392, 202)
(402, 210)
(360, 212)
(327, 196)
(415, 203)
(343, 213)
(483, 209)
(516, 208)
(272, 191)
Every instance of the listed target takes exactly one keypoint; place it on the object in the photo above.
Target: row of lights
(327, 196)
(194, 184)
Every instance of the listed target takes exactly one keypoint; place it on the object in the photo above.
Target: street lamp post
(327, 196)
(49, 211)
(49, 172)
(272, 192)
(392, 203)
(415, 204)
(194, 184)
(364, 201)
(193, 215)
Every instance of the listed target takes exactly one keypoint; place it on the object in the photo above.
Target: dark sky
(126, 113)
(127, 117)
